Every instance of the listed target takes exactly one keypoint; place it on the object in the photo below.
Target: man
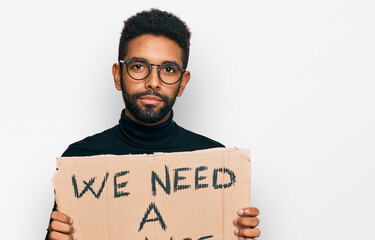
(151, 73)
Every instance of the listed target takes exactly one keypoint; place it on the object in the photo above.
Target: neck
(131, 116)
(145, 136)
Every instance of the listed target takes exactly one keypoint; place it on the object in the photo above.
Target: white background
(291, 80)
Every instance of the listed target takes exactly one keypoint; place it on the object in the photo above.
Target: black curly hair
(158, 23)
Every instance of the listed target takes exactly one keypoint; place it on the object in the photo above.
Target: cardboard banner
(172, 196)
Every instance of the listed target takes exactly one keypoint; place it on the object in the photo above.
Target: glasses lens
(170, 73)
(138, 69)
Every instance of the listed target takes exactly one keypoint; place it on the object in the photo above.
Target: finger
(246, 222)
(247, 232)
(242, 238)
(59, 216)
(60, 236)
(250, 212)
(61, 227)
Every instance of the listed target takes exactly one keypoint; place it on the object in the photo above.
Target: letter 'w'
(88, 186)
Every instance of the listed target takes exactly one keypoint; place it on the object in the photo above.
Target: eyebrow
(164, 62)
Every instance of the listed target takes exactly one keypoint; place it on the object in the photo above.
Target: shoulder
(95, 144)
(196, 141)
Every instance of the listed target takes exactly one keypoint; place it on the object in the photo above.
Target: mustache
(150, 92)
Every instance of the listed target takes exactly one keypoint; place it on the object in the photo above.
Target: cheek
(172, 91)
(132, 86)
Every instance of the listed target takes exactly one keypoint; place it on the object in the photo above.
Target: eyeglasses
(139, 69)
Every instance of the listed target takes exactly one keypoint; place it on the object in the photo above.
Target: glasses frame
(150, 69)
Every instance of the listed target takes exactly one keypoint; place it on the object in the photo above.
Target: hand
(61, 227)
(246, 224)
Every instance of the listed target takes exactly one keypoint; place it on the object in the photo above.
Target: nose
(153, 81)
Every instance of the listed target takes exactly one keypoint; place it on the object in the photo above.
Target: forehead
(155, 49)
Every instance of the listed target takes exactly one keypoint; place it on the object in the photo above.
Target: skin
(156, 50)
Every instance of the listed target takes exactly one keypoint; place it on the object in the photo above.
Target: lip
(150, 99)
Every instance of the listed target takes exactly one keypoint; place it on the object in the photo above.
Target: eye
(138, 66)
(169, 69)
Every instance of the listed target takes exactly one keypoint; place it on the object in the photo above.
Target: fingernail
(241, 238)
(71, 220)
(236, 231)
(240, 212)
(235, 221)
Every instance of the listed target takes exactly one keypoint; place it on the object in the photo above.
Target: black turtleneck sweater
(129, 137)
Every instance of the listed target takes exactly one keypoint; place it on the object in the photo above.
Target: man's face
(150, 101)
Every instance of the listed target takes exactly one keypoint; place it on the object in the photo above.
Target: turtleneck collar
(148, 136)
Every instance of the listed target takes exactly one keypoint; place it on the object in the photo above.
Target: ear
(116, 72)
(184, 80)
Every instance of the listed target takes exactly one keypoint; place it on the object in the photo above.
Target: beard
(147, 114)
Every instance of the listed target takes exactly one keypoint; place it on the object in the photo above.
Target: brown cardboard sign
(162, 196)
